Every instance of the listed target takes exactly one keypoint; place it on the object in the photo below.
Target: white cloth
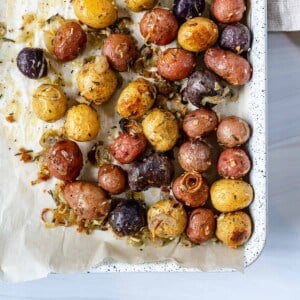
(284, 15)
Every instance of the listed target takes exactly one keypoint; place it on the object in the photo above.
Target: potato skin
(166, 219)
(195, 156)
(200, 122)
(82, 123)
(232, 67)
(175, 64)
(69, 41)
(112, 179)
(120, 50)
(140, 5)
(233, 132)
(229, 195)
(234, 229)
(228, 11)
(136, 99)
(197, 34)
(97, 82)
(201, 225)
(126, 147)
(88, 201)
(96, 13)
(64, 160)
(233, 163)
(161, 129)
(159, 26)
(49, 102)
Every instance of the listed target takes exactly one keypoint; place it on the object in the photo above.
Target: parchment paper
(29, 250)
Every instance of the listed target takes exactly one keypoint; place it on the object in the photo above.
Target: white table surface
(276, 275)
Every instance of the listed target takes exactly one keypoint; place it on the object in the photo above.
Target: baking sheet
(30, 251)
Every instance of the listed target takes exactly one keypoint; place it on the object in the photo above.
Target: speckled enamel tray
(252, 106)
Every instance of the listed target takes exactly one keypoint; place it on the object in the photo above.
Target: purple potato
(155, 171)
(202, 84)
(128, 217)
(236, 37)
(187, 9)
(32, 63)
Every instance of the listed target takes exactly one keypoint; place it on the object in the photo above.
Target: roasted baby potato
(228, 11)
(161, 129)
(229, 195)
(49, 102)
(166, 219)
(188, 9)
(88, 201)
(120, 50)
(96, 13)
(234, 229)
(64, 160)
(175, 64)
(96, 81)
(159, 26)
(232, 67)
(201, 225)
(82, 123)
(136, 99)
(233, 132)
(197, 34)
(140, 5)
(70, 39)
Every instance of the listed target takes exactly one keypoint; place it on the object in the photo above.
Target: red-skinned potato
(175, 64)
(200, 122)
(201, 225)
(69, 41)
(232, 67)
(88, 201)
(159, 26)
(64, 160)
(228, 11)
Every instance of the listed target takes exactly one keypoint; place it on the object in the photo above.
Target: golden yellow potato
(166, 219)
(82, 123)
(136, 99)
(140, 5)
(96, 13)
(234, 229)
(228, 195)
(96, 81)
(161, 129)
(197, 34)
(49, 102)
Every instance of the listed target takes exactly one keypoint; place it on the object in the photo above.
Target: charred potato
(228, 11)
(49, 102)
(201, 225)
(175, 64)
(120, 50)
(233, 132)
(96, 81)
(96, 13)
(82, 123)
(69, 41)
(197, 34)
(229, 195)
(64, 160)
(230, 66)
(234, 229)
(166, 219)
(159, 26)
(140, 5)
(88, 201)
(161, 129)
(136, 99)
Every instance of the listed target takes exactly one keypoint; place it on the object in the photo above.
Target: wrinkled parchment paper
(28, 250)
